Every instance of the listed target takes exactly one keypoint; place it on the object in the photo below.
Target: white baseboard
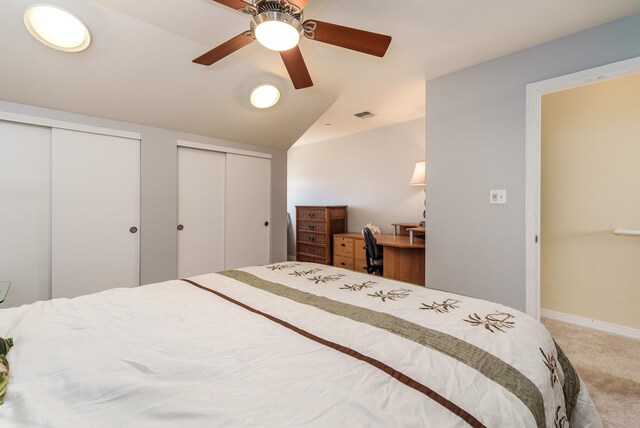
(291, 258)
(593, 324)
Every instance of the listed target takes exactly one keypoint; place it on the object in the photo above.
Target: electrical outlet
(498, 196)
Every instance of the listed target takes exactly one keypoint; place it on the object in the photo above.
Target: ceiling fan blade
(238, 5)
(347, 37)
(297, 68)
(227, 48)
(300, 3)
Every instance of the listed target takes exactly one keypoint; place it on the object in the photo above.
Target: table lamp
(419, 179)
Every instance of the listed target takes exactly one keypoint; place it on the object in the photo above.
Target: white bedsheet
(171, 354)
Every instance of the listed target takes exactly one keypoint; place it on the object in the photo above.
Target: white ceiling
(139, 67)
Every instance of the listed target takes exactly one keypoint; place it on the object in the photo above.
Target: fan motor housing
(283, 6)
(278, 10)
(276, 16)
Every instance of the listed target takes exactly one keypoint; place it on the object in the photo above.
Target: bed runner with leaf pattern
(484, 362)
(401, 377)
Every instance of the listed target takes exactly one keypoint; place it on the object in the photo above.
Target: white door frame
(533, 174)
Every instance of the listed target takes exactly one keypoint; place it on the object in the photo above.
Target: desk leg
(404, 264)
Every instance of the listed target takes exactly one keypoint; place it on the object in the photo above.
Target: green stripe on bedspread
(487, 364)
(571, 385)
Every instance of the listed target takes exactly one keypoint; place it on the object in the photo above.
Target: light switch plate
(498, 196)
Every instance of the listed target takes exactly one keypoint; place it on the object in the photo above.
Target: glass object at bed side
(4, 289)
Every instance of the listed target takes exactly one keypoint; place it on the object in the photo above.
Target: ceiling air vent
(364, 115)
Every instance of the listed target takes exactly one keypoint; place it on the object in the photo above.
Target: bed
(288, 344)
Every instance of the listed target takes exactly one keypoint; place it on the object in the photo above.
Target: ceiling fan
(278, 24)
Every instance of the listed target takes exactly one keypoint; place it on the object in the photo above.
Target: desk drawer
(343, 246)
(359, 249)
(312, 250)
(311, 226)
(343, 262)
(311, 214)
(360, 265)
(315, 238)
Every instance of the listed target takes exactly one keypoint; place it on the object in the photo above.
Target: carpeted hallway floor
(610, 367)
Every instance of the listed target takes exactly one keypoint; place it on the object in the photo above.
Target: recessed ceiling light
(57, 28)
(265, 96)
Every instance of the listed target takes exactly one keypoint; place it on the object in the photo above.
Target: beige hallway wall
(591, 186)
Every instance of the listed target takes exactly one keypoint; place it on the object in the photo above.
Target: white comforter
(173, 354)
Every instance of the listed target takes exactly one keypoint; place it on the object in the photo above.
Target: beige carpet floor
(610, 367)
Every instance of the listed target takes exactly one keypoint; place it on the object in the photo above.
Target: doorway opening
(573, 219)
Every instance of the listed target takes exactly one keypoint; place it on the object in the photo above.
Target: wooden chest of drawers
(350, 252)
(315, 226)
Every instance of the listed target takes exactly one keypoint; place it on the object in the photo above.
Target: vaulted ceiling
(138, 68)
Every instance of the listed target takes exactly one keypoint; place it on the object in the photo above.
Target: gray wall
(475, 142)
(369, 171)
(158, 188)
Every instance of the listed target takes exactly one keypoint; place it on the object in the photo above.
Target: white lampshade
(264, 96)
(418, 178)
(57, 28)
(277, 35)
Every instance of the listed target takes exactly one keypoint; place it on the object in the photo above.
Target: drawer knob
(343, 245)
(312, 227)
(342, 263)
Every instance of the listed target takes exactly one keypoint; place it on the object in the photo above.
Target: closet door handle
(180, 227)
(133, 229)
(266, 223)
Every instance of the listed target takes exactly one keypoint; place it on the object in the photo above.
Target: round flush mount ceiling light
(57, 28)
(264, 96)
(276, 30)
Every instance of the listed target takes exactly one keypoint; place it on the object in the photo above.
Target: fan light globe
(277, 35)
(264, 96)
(57, 28)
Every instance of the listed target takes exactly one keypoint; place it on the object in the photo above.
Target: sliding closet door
(201, 177)
(25, 212)
(248, 196)
(96, 213)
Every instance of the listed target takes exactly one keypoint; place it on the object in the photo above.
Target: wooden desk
(420, 230)
(402, 228)
(402, 259)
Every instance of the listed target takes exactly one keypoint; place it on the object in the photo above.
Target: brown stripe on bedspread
(401, 377)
